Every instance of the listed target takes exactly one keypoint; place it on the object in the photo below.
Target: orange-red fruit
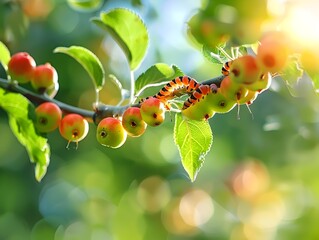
(73, 127)
(21, 66)
(273, 51)
(132, 122)
(153, 111)
(48, 117)
(244, 69)
(110, 132)
(44, 77)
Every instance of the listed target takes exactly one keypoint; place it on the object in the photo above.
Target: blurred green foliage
(259, 181)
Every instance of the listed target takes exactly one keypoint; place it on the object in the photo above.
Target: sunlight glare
(300, 21)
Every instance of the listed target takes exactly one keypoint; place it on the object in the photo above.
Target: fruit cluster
(22, 69)
(244, 79)
(112, 132)
(43, 78)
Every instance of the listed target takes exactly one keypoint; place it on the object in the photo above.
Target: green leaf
(213, 55)
(291, 74)
(21, 115)
(157, 73)
(194, 140)
(89, 61)
(4, 55)
(128, 30)
(85, 5)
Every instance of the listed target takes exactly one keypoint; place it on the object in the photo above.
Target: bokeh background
(259, 181)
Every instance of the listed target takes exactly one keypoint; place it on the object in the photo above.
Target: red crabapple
(44, 77)
(273, 51)
(153, 111)
(21, 66)
(110, 132)
(132, 122)
(244, 69)
(73, 127)
(48, 117)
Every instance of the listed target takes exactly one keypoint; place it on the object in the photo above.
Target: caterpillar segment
(226, 68)
(176, 87)
(197, 95)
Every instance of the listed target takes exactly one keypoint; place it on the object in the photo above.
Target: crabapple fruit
(73, 127)
(44, 77)
(21, 66)
(233, 90)
(48, 117)
(244, 69)
(219, 103)
(201, 110)
(132, 122)
(111, 133)
(249, 98)
(153, 111)
(262, 83)
(273, 51)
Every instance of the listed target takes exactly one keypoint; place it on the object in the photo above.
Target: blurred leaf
(125, 94)
(157, 73)
(128, 30)
(21, 113)
(85, 5)
(4, 55)
(89, 61)
(212, 54)
(315, 82)
(291, 74)
(194, 140)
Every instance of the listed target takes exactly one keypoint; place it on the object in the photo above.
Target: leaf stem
(132, 86)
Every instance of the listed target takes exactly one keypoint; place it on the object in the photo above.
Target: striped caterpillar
(226, 68)
(176, 87)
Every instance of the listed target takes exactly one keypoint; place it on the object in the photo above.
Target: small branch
(100, 110)
(36, 98)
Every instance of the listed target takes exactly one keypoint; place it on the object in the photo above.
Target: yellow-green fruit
(249, 98)
(233, 90)
(110, 133)
(219, 103)
(262, 84)
(132, 122)
(199, 111)
(153, 111)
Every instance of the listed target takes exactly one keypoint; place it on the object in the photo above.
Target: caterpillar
(226, 68)
(197, 95)
(176, 87)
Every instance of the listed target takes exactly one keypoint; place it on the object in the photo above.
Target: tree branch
(100, 111)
